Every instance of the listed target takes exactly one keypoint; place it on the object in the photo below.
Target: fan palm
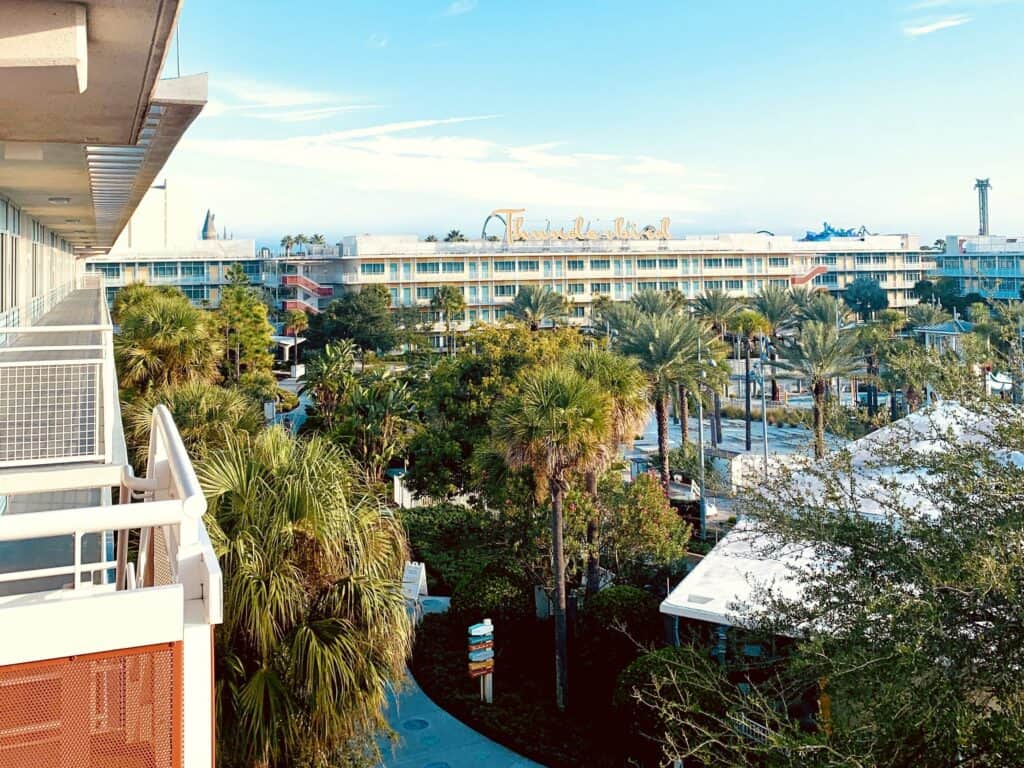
(449, 301)
(926, 314)
(206, 416)
(556, 425)
(287, 243)
(329, 377)
(779, 308)
(165, 340)
(536, 303)
(318, 239)
(716, 308)
(819, 354)
(301, 240)
(666, 348)
(315, 628)
(621, 379)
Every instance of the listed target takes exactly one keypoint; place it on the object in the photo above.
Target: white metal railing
(166, 522)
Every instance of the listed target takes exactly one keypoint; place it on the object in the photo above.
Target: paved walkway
(431, 738)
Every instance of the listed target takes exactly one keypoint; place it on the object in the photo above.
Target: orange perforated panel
(120, 709)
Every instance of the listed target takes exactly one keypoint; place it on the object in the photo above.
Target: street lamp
(764, 403)
(700, 438)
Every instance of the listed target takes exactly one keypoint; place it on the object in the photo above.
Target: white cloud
(459, 7)
(927, 29)
(376, 41)
(236, 96)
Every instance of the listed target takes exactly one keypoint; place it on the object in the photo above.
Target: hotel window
(428, 268)
(406, 296)
(504, 266)
(646, 263)
(451, 267)
(559, 267)
(485, 314)
(371, 269)
(188, 269)
(825, 260)
(618, 267)
(483, 269)
(618, 290)
(647, 285)
(472, 315)
(407, 271)
(485, 293)
(712, 285)
(629, 266)
(779, 283)
(575, 265)
(778, 261)
(684, 265)
(547, 269)
(529, 266)
(712, 263)
(194, 292)
(108, 270)
(604, 288)
(880, 258)
(668, 263)
(425, 293)
(734, 285)
(251, 269)
(600, 264)
(734, 263)
(500, 313)
(669, 285)
(866, 259)
(579, 311)
(394, 296)
(472, 269)
(163, 270)
(504, 290)
(473, 293)
(575, 288)
(394, 270)
(829, 278)
(912, 258)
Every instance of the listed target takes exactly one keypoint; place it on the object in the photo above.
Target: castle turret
(210, 227)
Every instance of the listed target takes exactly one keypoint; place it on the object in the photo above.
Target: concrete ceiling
(80, 160)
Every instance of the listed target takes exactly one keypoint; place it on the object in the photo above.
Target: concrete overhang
(81, 160)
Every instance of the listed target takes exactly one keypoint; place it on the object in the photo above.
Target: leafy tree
(909, 621)
(315, 630)
(536, 303)
(329, 377)
(235, 275)
(207, 415)
(165, 340)
(375, 422)
(554, 426)
(246, 329)
(259, 386)
(364, 316)
(137, 293)
(627, 388)
(449, 301)
(819, 354)
(926, 314)
(865, 296)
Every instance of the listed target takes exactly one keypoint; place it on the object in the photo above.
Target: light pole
(700, 441)
(764, 406)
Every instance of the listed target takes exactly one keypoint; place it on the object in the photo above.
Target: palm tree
(556, 425)
(165, 340)
(329, 377)
(315, 630)
(206, 416)
(666, 348)
(819, 354)
(298, 321)
(536, 303)
(301, 240)
(926, 314)
(449, 301)
(749, 323)
(621, 379)
(455, 236)
(430, 239)
(803, 295)
(716, 308)
(651, 302)
(825, 308)
(287, 243)
(318, 239)
(779, 310)
(378, 417)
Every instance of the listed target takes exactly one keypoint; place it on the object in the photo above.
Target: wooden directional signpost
(481, 657)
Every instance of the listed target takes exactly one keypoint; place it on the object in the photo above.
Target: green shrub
(640, 721)
(614, 626)
(492, 595)
(453, 540)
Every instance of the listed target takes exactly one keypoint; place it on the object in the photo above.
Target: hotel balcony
(109, 587)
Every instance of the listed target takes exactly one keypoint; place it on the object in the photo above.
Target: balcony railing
(299, 304)
(306, 284)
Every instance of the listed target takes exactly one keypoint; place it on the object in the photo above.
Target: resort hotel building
(990, 265)
(109, 588)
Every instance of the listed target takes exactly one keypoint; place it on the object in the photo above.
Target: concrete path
(431, 738)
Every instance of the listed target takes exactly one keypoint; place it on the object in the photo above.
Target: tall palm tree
(318, 239)
(779, 310)
(819, 354)
(556, 425)
(206, 416)
(454, 236)
(825, 308)
(329, 377)
(287, 243)
(298, 321)
(449, 301)
(802, 295)
(301, 240)
(315, 630)
(621, 379)
(666, 348)
(165, 340)
(536, 303)
(651, 302)
(716, 308)
(750, 324)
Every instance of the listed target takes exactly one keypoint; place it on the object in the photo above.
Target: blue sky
(424, 115)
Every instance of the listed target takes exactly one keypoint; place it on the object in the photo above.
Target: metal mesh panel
(120, 709)
(49, 411)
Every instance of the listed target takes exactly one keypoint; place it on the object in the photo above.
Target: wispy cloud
(233, 96)
(376, 41)
(459, 7)
(919, 30)
(924, 5)
(406, 159)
